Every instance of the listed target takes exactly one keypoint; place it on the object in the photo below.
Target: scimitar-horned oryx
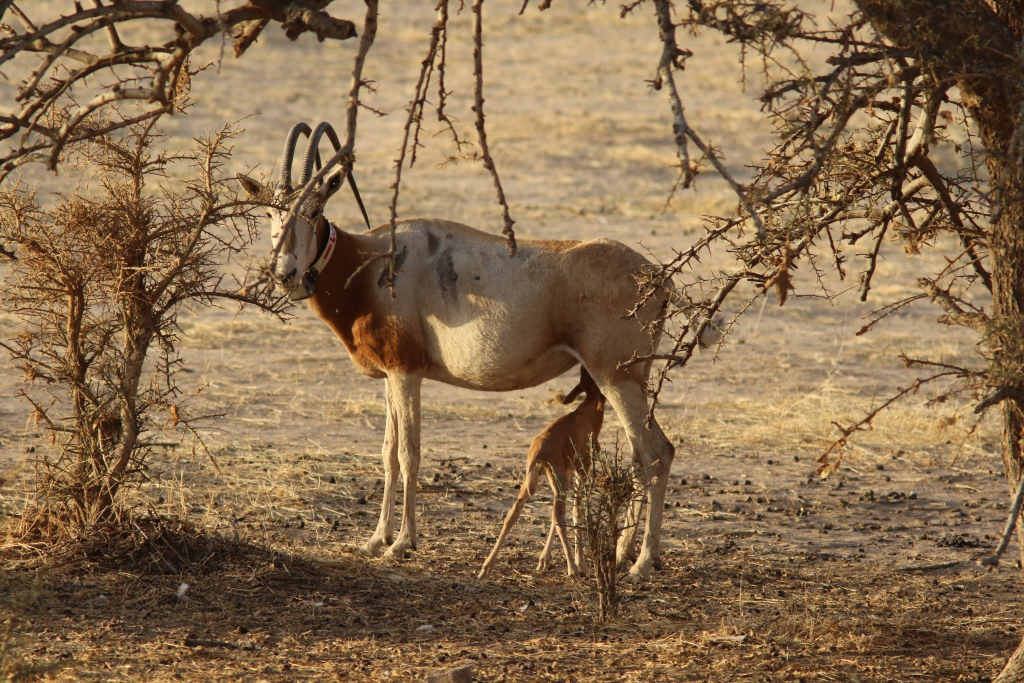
(467, 313)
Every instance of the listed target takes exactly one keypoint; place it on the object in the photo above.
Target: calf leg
(526, 491)
(581, 551)
(389, 454)
(406, 395)
(558, 521)
(549, 546)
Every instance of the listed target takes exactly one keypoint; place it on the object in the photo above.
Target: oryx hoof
(640, 573)
(374, 547)
(397, 551)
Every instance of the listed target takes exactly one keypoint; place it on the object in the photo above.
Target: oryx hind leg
(652, 453)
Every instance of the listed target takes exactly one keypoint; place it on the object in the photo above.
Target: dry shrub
(602, 498)
(97, 284)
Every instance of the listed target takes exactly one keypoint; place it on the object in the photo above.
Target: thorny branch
(80, 85)
(414, 120)
(854, 159)
(673, 59)
(478, 108)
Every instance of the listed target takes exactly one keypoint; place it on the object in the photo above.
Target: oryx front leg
(405, 392)
(385, 530)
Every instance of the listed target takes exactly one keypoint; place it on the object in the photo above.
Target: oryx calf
(562, 450)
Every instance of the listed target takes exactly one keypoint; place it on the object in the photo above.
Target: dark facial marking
(432, 242)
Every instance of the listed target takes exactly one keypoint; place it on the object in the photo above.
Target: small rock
(102, 601)
(460, 674)
(182, 589)
(426, 628)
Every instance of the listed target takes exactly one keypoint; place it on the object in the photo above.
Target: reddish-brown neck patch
(378, 341)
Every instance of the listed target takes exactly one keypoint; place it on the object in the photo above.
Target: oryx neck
(324, 254)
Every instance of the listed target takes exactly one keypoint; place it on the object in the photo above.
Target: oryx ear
(253, 188)
(331, 185)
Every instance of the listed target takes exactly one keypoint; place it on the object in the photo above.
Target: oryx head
(298, 244)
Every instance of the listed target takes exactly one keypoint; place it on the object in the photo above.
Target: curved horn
(313, 150)
(285, 179)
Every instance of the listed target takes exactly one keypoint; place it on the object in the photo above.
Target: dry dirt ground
(769, 572)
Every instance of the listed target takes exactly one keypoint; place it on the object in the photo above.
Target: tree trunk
(977, 44)
(1006, 245)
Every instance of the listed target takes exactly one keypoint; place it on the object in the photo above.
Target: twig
(954, 313)
(1011, 524)
(827, 468)
(414, 121)
(478, 108)
(865, 286)
(930, 567)
(669, 61)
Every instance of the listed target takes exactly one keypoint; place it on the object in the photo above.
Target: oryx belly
(491, 321)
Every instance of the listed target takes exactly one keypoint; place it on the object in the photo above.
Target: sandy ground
(769, 572)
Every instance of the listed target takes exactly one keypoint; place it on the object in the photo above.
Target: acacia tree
(855, 164)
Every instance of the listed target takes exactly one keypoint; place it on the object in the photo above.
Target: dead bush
(96, 284)
(602, 498)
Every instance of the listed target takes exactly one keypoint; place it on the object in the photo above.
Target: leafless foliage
(97, 284)
(481, 131)
(87, 68)
(862, 157)
(435, 61)
(602, 497)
